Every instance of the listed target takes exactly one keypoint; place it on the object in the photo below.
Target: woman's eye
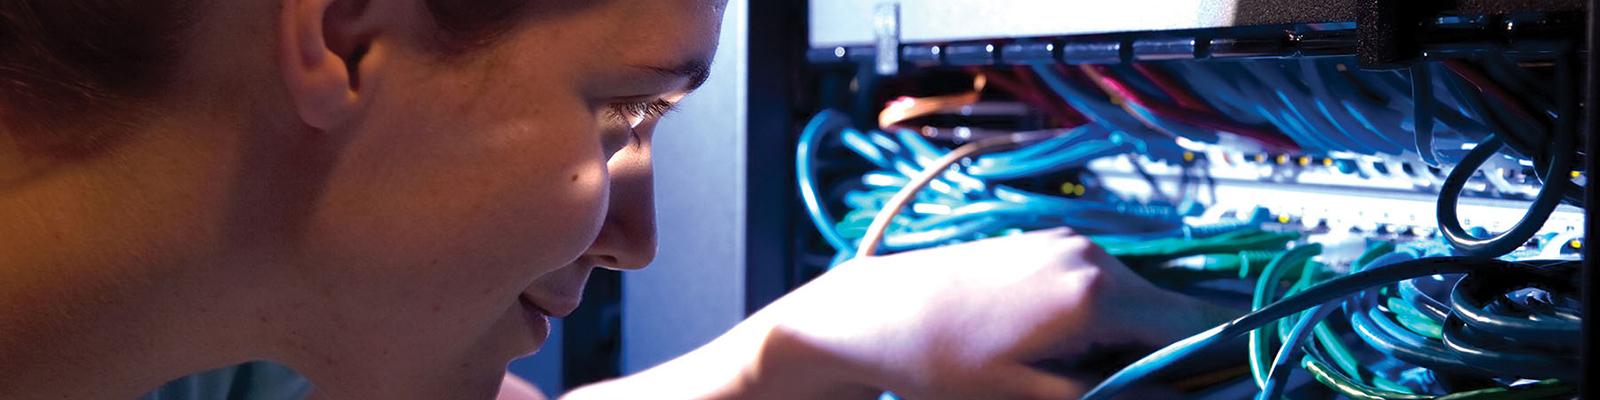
(634, 113)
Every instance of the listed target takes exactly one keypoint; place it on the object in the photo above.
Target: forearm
(753, 361)
(687, 377)
(516, 388)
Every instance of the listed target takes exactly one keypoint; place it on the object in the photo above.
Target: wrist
(788, 365)
(755, 360)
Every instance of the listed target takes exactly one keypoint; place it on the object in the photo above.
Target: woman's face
(474, 195)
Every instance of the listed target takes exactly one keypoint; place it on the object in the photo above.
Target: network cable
(810, 140)
(880, 224)
(1544, 203)
(1271, 275)
(1456, 327)
(1329, 290)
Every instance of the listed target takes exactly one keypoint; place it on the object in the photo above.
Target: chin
(522, 331)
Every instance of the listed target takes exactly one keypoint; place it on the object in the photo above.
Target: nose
(627, 240)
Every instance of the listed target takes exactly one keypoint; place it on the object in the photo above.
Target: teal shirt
(249, 381)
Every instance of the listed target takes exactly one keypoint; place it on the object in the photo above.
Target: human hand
(970, 321)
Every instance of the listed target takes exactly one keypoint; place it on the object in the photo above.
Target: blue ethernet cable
(863, 146)
(919, 239)
(1383, 333)
(1211, 87)
(1328, 290)
(1458, 115)
(805, 154)
(1395, 87)
(1335, 117)
(922, 153)
(1321, 78)
(1422, 112)
(1388, 337)
(1382, 117)
(1449, 108)
(1272, 106)
(1473, 106)
(1175, 128)
(1125, 217)
(1281, 363)
(1085, 216)
(1465, 304)
(1097, 111)
(940, 185)
(1543, 364)
(1061, 142)
(976, 210)
(1074, 157)
(1149, 142)
(1298, 109)
(1433, 308)
(1040, 154)
(1277, 108)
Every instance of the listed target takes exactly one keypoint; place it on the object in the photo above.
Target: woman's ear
(330, 53)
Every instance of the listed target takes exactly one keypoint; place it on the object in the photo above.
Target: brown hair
(69, 59)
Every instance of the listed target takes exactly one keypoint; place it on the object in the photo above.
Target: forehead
(628, 31)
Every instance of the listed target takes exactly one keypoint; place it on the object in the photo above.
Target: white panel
(1316, 195)
(849, 22)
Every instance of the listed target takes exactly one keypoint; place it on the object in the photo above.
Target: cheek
(446, 222)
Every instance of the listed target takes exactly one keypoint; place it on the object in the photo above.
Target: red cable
(1031, 97)
(1071, 116)
(1172, 88)
(1486, 85)
(1209, 121)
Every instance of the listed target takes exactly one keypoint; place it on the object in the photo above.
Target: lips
(558, 307)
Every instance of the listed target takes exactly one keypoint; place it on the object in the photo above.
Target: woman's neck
(70, 337)
(111, 282)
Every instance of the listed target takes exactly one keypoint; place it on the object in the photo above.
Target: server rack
(851, 49)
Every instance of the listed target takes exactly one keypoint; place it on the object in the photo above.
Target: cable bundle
(968, 206)
(1508, 330)
(1436, 319)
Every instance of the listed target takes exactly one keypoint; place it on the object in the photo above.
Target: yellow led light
(1283, 218)
(1080, 190)
(1188, 156)
(1305, 160)
(1067, 187)
(1327, 162)
(1283, 159)
(1576, 174)
(1576, 244)
(1261, 158)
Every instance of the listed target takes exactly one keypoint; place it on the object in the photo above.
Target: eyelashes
(636, 112)
(631, 114)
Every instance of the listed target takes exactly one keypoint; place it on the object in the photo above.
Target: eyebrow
(697, 71)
